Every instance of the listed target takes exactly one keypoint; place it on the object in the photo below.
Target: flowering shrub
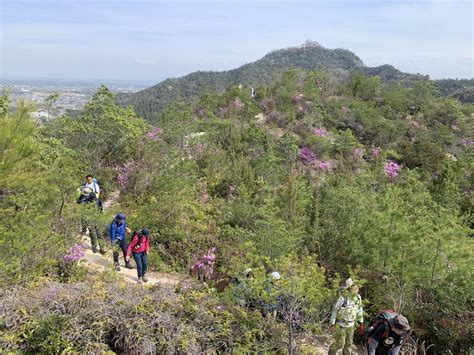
(124, 173)
(203, 267)
(464, 142)
(93, 317)
(325, 165)
(374, 152)
(306, 155)
(237, 104)
(320, 132)
(357, 153)
(392, 169)
(75, 253)
(154, 134)
(297, 97)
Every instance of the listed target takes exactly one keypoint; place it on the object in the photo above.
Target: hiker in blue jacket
(117, 231)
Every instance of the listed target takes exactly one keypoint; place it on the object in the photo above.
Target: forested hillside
(314, 178)
(262, 72)
(150, 102)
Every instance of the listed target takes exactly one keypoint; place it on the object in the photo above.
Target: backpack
(382, 317)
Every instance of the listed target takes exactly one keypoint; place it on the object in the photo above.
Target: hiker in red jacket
(139, 247)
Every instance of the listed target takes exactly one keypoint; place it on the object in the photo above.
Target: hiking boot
(94, 250)
(128, 265)
(117, 266)
(139, 281)
(102, 251)
(144, 278)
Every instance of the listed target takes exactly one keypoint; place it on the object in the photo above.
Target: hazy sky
(150, 40)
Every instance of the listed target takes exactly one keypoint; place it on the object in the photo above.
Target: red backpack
(382, 317)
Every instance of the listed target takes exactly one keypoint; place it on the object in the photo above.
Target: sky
(151, 40)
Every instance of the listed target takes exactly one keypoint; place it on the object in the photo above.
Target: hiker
(386, 336)
(139, 248)
(273, 297)
(242, 289)
(117, 233)
(91, 183)
(87, 198)
(346, 311)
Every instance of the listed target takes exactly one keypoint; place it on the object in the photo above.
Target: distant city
(73, 95)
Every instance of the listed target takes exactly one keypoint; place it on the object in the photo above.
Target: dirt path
(101, 262)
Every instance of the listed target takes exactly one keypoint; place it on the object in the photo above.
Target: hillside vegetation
(314, 178)
(149, 103)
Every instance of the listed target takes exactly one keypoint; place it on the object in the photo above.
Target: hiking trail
(100, 262)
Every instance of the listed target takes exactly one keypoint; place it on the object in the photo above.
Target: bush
(94, 316)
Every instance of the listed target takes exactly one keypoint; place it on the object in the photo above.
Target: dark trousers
(141, 259)
(116, 246)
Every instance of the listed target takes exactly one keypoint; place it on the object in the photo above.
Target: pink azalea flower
(374, 152)
(325, 165)
(392, 169)
(320, 132)
(75, 253)
(124, 173)
(306, 155)
(154, 134)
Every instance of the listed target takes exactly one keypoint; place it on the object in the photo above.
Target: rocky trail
(100, 262)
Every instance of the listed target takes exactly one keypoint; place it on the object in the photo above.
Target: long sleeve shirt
(139, 244)
(117, 231)
(347, 310)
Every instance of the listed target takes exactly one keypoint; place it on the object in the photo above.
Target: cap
(120, 217)
(400, 322)
(146, 232)
(349, 282)
(86, 191)
(276, 275)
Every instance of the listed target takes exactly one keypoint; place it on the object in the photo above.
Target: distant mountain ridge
(310, 56)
